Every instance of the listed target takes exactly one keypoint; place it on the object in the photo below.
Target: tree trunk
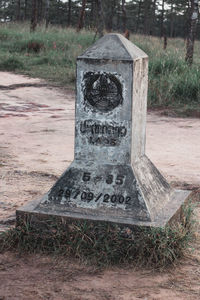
(40, 10)
(69, 12)
(138, 16)
(165, 42)
(100, 25)
(34, 16)
(109, 12)
(118, 15)
(123, 15)
(18, 10)
(162, 19)
(192, 31)
(25, 10)
(82, 16)
(92, 13)
(187, 20)
(153, 17)
(147, 7)
(46, 14)
(172, 21)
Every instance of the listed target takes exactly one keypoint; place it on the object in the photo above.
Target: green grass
(56, 60)
(103, 244)
(172, 83)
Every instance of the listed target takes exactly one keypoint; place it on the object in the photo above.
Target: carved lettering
(102, 141)
(88, 196)
(102, 134)
(92, 128)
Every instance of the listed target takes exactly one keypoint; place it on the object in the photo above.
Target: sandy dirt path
(36, 146)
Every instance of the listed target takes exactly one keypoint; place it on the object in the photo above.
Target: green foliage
(166, 64)
(186, 88)
(11, 64)
(47, 54)
(146, 17)
(103, 243)
(172, 82)
(3, 36)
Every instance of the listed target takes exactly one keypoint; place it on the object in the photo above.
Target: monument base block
(169, 213)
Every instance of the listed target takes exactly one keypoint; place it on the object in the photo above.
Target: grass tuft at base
(101, 243)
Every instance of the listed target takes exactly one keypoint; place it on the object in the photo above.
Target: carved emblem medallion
(102, 91)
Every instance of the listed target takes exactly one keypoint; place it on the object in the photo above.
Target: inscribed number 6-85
(119, 179)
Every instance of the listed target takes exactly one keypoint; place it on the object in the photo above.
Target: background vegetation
(148, 17)
(51, 54)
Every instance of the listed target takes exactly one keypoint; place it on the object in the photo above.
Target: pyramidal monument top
(113, 46)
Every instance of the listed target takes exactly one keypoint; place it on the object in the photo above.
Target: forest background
(43, 38)
(149, 17)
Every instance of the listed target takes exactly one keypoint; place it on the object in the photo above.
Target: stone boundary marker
(111, 179)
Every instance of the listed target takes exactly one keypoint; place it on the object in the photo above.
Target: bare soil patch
(36, 146)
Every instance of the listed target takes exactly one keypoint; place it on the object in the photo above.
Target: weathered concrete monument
(111, 178)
